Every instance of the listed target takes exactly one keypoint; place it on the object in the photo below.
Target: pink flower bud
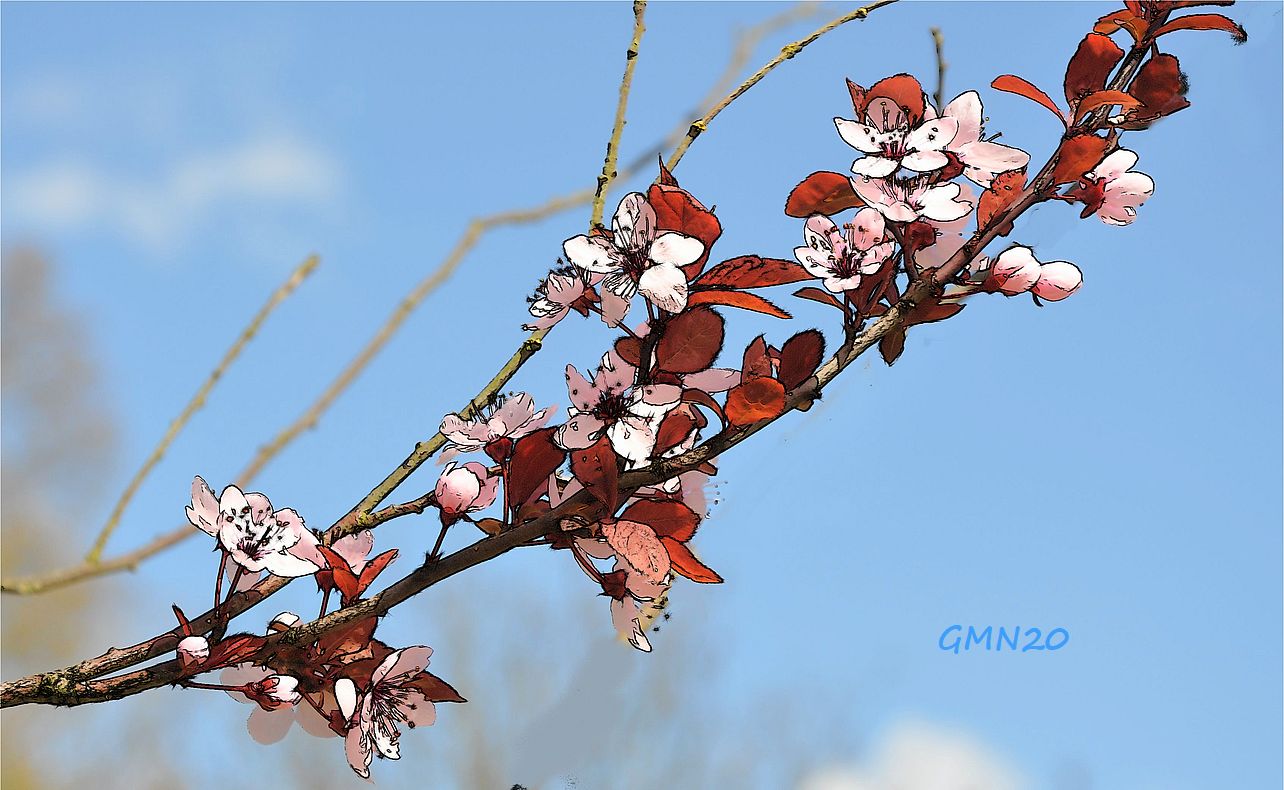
(1014, 272)
(283, 621)
(193, 650)
(1057, 280)
(466, 488)
(274, 691)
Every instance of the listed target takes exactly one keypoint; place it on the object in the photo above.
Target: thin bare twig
(939, 96)
(197, 402)
(621, 108)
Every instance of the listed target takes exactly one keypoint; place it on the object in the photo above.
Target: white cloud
(159, 214)
(915, 756)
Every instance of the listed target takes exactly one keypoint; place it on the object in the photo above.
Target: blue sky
(176, 161)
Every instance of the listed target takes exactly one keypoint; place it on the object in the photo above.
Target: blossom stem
(192, 684)
(325, 601)
(218, 580)
(434, 555)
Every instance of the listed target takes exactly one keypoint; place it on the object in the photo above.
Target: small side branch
(621, 110)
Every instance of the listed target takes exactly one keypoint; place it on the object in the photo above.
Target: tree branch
(621, 107)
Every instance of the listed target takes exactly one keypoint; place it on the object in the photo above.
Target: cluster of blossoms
(619, 485)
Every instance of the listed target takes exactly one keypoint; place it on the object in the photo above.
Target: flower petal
(665, 286)
(676, 249)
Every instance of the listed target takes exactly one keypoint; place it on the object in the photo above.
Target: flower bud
(1057, 280)
(1014, 272)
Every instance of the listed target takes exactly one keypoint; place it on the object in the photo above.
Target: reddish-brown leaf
(1205, 22)
(800, 356)
(1159, 87)
(1003, 190)
(756, 361)
(755, 399)
(630, 350)
(1104, 98)
(434, 688)
(1077, 156)
(676, 426)
(685, 563)
(901, 91)
(1125, 19)
(669, 518)
(752, 271)
(351, 637)
(892, 344)
(597, 469)
(691, 341)
(535, 456)
(1011, 83)
(706, 400)
(676, 209)
(822, 193)
(232, 649)
(741, 299)
(666, 178)
(817, 295)
(374, 568)
(344, 579)
(638, 544)
(1091, 65)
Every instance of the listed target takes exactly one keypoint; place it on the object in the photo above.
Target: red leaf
(374, 568)
(685, 563)
(706, 400)
(1013, 84)
(638, 544)
(800, 356)
(232, 650)
(691, 341)
(1159, 87)
(630, 350)
(676, 209)
(1122, 20)
(669, 518)
(1106, 98)
(351, 637)
(756, 361)
(1077, 156)
(752, 271)
(344, 579)
(822, 193)
(535, 457)
(596, 468)
(857, 94)
(1091, 65)
(1003, 190)
(666, 178)
(676, 426)
(1205, 22)
(745, 301)
(755, 399)
(900, 91)
(817, 295)
(434, 688)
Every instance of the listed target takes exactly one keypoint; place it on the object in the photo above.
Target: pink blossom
(842, 259)
(283, 621)
(269, 725)
(392, 700)
(554, 298)
(1112, 191)
(1057, 280)
(889, 143)
(609, 405)
(905, 200)
(465, 489)
(255, 536)
(355, 549)
(510, 418)
(637, 258)
(981, 160)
